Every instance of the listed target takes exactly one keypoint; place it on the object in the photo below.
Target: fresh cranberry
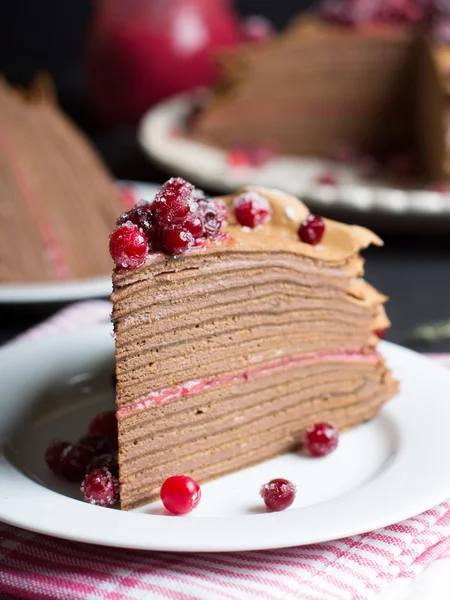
(251, 209)
(342, 153)
(176, 240)
(105, 461)
(311, 230)
(180, 494)
(238, 158)
(214, 213)
(100, 487)
(260, 154)
(194, 224)
(128, 196)
(258, 29)
(74, 461)
(278, 494)
(327, 178)
(320, 439)
(173, 203)
(53, 455)
(105, 424)
(128, 246)
(99, 443)
(439, 186)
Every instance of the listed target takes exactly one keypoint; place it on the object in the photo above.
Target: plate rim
(66, 291)
(155, 135)
(115, 528)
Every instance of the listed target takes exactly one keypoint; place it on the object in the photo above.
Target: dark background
(413, 269)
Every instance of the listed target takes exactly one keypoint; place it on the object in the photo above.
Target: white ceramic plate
(99, 287)
(207, 166)
(382, 472)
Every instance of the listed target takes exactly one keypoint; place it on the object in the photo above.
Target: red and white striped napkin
(34, 566)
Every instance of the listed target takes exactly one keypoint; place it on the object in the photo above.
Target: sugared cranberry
(258, 29)
(213, 213)
(311, 230)
(278, 494)
(105, 461)
(327, 178)
(100, 487)
(176, 240)
(238, 158)
(128, 196)
(251, 209)
(402, 11)
(441, 30)
(180, 494)
(53, 455)
(128, 246)
(99, 443)
(320, 439)
(173, 203)
(194, 224)
(74, 461)
(105, 424)
(140, 216)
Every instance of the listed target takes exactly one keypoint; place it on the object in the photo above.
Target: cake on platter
(57, 200)
(238, 322)
(370, 76)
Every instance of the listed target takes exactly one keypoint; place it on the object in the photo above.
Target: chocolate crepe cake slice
(57, 200)
(232, 338)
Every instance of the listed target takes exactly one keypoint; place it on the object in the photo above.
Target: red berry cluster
(92, 461)
(179, 218)
(359, 12)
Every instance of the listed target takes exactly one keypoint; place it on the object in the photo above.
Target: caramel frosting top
(339, 242)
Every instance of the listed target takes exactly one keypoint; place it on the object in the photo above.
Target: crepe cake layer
(315, 87)
(224, 355)
(58, 204)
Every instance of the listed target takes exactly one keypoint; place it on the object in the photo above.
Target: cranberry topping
(278, 494)
(140, 216)
(105, 424)
(173, 203)
(194, 224)
(381, 333)
(238, 158)
(176, 240)
(105, 461)
(180, 494)
(258, 29)
(251, 209)
(100, 444)
(320, 439)
(74, 461)
(53, 455)
(213, 214)
(327, 178)
(128, 246)
(311, 230)
(100, 487)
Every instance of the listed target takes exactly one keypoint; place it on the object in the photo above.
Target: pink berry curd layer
(196, 386)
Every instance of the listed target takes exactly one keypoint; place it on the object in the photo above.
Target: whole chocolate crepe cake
(57, 201)
(371, 76)
(231, 338)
